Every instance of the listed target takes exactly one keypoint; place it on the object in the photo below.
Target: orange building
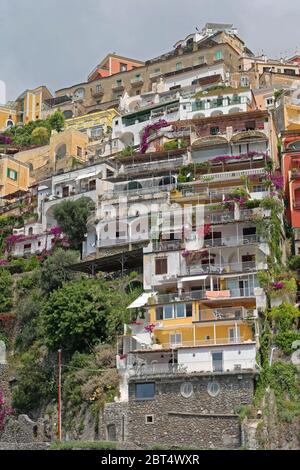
(291, 174)
(113, 64)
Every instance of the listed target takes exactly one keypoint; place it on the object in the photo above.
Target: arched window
(61, 152)
(9, 123)
(30, 231)
(79, 93)
(166, 180)
(68, 114)
(133, 185)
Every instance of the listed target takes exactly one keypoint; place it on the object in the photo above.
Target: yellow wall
(5, 114)
(102, 118)
(9, 185)
(185, 326)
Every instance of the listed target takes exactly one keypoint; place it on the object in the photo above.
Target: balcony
(154, 75)
(228, 313)
(98, 93)
(232, 241)
(118, 86)
(218, 103)
(138, 192)
(201, 295)
(137, 81)
(242, 267)
(172, 245)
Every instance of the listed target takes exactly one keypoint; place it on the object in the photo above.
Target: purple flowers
(278, 285)
(224, 158)
(4, 411)
(146, 133)
(150, 328)
(277, 181)
(5, 140)
(185, 253)
(56, 231)
(3, 262)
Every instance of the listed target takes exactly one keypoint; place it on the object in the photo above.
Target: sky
(58, 42)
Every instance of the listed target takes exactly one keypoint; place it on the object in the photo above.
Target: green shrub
(6, 291)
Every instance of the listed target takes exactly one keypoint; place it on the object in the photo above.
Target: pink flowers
(205, 230)
(185, 253)
(147, 130)
(277, 181)
(150, 328)
(3, 262)
(56, 231)
(224, 158)
(5, 140)
(278, 285)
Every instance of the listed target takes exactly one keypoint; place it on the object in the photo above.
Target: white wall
(200, 359)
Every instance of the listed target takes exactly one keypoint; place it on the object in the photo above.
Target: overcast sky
(58, 42)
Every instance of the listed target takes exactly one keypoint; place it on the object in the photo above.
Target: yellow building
(93, 123)
(30, 104)
(14, 176)
(8, 117)
(67, 149)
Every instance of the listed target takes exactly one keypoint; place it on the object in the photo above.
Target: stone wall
(200, 421)
(114, 414)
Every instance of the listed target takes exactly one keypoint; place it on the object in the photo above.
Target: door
(234, 335)
(66, 191)
(217, 361)
(111, 432)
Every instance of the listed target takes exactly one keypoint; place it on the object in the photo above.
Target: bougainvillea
(150, 328)
(5, 140)
(224, 158)
(278, 285)
(146, 133)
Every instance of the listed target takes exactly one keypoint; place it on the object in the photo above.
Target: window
(218, 55)
(123, 67)
(79, 94)
(30, 231)
(12, 174)
(161, 266)
(9, 123)
(119, 82)
(175, 339)
(137, 77)
(79, 152)
(233, 334)
(145, 391)
(189, 310)
(201, 60)
(250, 125)
(98, 88)
(149, 419)
(187, 389)
(217, 361)
(214, 130)
(159, 313)
(213, 389)
(244, 81)
(168, 312)
(180, 310)
(269, 101)
(156, 71)
(179, 66)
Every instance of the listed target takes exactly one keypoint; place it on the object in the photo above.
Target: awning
(83, 177)
(42, 188)
(141, 300)
(193, 278)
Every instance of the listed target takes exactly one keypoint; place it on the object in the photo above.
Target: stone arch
(216, 113)
(127, 138)
(60, 151)
(166, 180)
(234, 110)
(199, 116)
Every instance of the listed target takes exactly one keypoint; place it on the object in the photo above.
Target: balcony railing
(171, 245)
(232, 241)
(228, 313)
(230, 216)
(138, 191)
(202, 295)
(218, 103)
(242, 267)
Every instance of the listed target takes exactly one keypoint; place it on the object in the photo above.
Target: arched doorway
(111, 431)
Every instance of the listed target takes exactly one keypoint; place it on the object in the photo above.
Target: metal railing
(245, 266)
(138, 191)
(228, 313)
(232, 241)
(202, 295)
(171, 245)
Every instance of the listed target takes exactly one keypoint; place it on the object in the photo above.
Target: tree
(75, 315)
(6, 291)
(57, 121)
(72, 218)
(55, 272)
(40, 136)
